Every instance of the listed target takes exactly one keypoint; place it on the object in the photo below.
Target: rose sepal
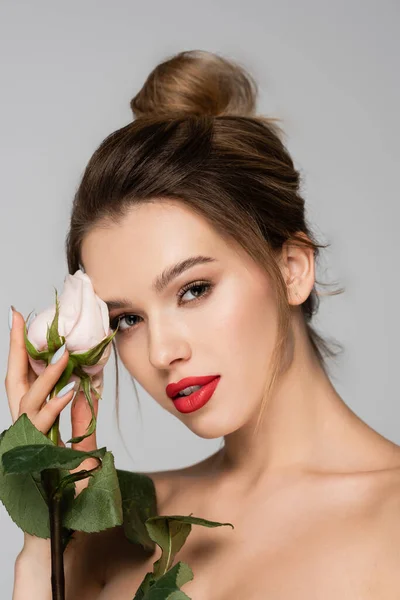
(66, 376)
(92, 356)
(54, 340)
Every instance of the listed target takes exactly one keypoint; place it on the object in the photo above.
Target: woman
(191, 226)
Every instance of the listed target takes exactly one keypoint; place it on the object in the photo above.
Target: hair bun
(196, 82)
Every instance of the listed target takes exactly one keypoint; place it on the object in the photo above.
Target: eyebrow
(162, 281)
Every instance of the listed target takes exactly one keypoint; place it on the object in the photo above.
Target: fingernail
(30, 319)
(67, 388)
(57, 355)
(10, 317)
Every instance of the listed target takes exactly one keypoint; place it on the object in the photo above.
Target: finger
(45, 418)
(32, 401)
(32, 376)
(16, 381)
(80, 418)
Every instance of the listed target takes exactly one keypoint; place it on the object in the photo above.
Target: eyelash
(186, 288)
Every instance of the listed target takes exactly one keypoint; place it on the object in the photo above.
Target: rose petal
(37, 332)
(88, 330)
(38, 366)
(105, 315)
(70, 301)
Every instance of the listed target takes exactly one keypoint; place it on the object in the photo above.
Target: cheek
(131, 358)
(244, 322)
(233, 333)
(245, 333)
(133, 353)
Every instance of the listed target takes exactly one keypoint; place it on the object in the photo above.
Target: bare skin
(314, 498)
(305, 536)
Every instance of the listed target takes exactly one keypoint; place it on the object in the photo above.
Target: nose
(167, 345)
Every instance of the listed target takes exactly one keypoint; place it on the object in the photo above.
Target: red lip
(173, 389)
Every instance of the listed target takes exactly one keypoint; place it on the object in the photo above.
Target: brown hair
(196, 139)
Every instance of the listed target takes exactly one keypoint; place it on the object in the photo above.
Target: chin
(211, 426)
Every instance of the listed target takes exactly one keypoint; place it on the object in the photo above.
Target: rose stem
(50, 479)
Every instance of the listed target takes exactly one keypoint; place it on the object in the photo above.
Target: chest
(279, 550)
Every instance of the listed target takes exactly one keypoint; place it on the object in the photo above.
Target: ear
(298, 270)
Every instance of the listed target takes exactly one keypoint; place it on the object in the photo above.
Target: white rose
(83, 320)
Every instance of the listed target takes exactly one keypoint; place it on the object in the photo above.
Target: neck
(306, 426)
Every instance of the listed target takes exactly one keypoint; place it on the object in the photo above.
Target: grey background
(328, 69)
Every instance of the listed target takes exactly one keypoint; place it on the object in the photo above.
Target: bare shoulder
(388, 492)
(386, 489)
(384, 521)
(385, 481)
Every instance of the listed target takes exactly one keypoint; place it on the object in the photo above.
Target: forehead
(148, 238)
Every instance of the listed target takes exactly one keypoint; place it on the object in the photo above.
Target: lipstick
(197, 399)
(173, 389)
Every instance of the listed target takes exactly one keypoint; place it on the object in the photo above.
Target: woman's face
(225, 326)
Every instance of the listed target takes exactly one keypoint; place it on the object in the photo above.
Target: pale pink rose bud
(83, 320)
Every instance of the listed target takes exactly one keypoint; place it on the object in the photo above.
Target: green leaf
(178, 595)
(99, 505)
(166, 587)
(23, 495)
(54, 341)
(34, 458)
(170, 533)
(181, 575)
(139, 502)
(70, 479)
(92, 356)
(144, 587)
(87, 387)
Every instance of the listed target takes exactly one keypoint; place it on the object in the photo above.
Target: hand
(27, 393)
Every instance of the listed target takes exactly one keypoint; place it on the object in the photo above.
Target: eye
(205, 285)
(121, 320)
